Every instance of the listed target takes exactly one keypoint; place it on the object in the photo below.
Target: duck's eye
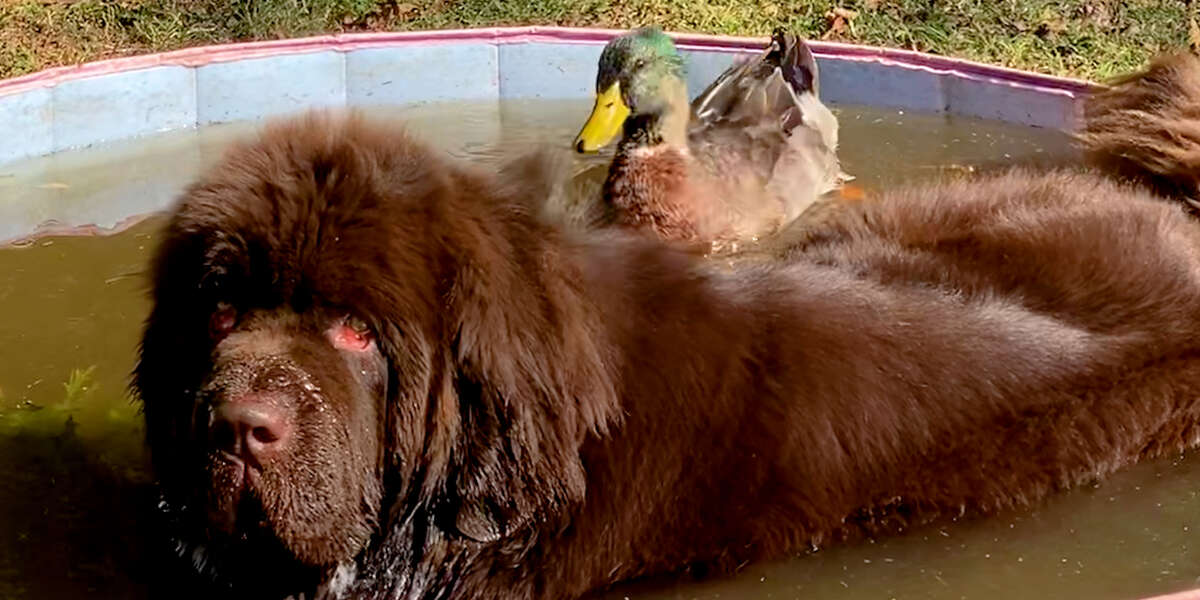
(352, 333)
(222, 320)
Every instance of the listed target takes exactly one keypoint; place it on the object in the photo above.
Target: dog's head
(348, 332)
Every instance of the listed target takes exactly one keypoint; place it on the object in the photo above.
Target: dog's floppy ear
(514, 462)
(530, 380)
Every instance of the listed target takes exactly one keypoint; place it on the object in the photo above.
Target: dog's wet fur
(373, 373)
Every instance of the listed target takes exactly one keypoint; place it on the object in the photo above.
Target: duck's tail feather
(795, 61)
(779, 83)
(1146, 127)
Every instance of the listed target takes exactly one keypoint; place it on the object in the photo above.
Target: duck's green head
(636, 71)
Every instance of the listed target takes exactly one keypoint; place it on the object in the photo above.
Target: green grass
(1083, 38)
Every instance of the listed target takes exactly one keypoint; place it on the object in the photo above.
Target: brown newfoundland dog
(370, 373)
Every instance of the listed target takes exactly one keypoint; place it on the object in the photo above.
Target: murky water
(71, 471)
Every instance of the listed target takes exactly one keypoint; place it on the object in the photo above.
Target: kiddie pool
(119, 100)
(79, 106)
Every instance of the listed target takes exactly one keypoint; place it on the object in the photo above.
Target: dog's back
(958, 347)
(961, 347)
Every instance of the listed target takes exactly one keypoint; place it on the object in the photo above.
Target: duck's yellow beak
(608, 115)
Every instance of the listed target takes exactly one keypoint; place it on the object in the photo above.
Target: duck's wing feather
(762, 88)
(763, 116)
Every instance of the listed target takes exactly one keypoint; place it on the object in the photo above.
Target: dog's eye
(359, 326)
(352, 333)
(222, 320)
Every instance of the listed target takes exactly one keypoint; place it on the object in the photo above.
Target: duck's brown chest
(652, 188)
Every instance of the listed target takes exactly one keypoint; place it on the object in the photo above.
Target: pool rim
(346, 42)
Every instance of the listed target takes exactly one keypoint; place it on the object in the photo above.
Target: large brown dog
(372, 374)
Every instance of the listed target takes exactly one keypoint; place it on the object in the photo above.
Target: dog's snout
(275, 377)
(254, 427)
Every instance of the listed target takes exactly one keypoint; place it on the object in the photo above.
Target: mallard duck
(750, 153)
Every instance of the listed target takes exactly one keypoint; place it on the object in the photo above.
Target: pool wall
(78, 106)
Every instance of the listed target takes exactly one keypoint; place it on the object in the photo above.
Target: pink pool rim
(203, 55)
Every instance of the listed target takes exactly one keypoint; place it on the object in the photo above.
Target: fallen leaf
(838, 21)
(834, 25)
